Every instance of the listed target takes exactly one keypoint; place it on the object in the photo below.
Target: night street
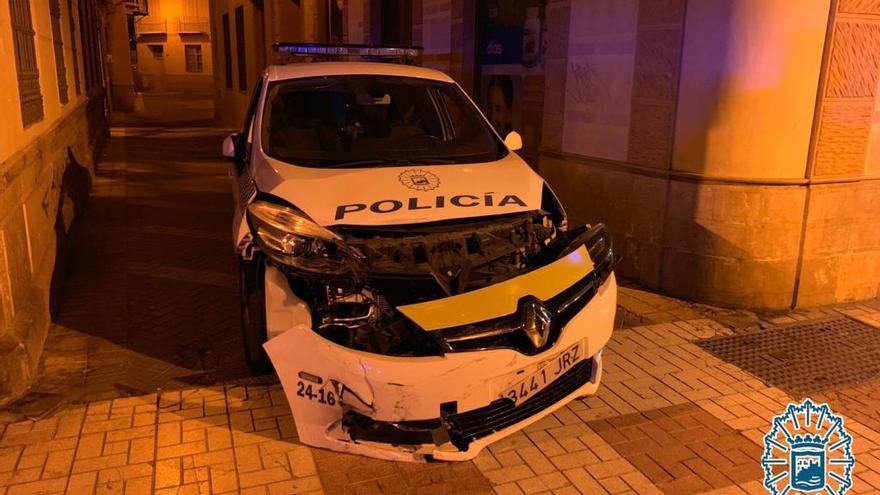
(376, 247)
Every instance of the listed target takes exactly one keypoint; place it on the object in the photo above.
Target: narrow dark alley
(151, 299)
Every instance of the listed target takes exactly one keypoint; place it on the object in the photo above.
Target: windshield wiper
(390, 162)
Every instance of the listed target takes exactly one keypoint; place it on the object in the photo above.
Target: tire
(253, 314)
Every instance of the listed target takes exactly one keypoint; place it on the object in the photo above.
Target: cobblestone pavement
(143, 387)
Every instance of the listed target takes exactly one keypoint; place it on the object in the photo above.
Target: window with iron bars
(227, 52)
(90, 29)
(72, 27)
(58, 45)
(240, 48)
(29, 95)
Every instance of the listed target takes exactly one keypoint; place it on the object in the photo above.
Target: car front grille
(395, 247)
(508, 331)
(472, 425)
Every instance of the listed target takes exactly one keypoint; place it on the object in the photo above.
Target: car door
(244, 188)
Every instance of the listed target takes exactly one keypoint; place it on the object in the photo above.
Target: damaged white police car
(414, 282)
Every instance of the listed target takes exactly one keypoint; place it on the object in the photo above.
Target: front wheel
(253, 313)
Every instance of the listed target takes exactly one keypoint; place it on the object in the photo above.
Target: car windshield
(371, 121)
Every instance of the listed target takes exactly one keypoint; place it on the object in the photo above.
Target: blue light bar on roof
(347, 50)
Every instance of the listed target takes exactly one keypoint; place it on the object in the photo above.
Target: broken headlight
(288, 237)
(598, 242)
(551, 204)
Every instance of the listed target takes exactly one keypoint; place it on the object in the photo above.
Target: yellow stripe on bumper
(502, 298)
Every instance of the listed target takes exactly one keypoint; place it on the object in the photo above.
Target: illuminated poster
(511, 51)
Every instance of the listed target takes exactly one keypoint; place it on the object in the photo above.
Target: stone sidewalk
(143, 388)
(670, 418)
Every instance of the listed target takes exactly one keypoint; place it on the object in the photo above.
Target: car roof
(318, 69)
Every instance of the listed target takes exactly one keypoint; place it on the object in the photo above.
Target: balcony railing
(137, 8)
(149, 26)
(192, 25)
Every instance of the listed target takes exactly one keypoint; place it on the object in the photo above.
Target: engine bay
(397, 266)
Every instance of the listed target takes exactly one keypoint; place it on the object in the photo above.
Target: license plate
(545, 375)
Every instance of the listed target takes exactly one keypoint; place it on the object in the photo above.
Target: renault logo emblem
(536, 322)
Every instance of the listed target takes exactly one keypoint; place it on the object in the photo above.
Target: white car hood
(403, 195)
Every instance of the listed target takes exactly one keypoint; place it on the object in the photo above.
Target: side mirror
(513, 141)
(229, 145)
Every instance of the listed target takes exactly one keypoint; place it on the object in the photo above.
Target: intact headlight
(289, 237)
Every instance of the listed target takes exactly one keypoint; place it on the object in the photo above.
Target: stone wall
(841, 251)
(168, 71)
(721, 243)
(841, 246)
(260, 31)
(732, 244)
(193, 83)
(44, 187)
(731, 192)
(632, 205)
(655, 82)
